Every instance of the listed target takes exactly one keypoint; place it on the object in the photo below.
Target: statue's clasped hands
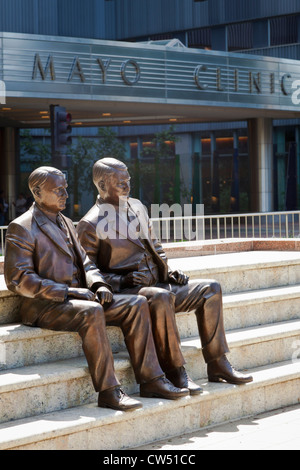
(136, 278)
(102, 295)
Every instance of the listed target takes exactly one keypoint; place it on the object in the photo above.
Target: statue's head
(112, 180)
(49, 188)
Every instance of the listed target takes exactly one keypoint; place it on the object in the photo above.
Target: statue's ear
(102, 185)
(36, 192)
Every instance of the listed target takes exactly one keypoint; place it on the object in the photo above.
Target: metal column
(261, 164)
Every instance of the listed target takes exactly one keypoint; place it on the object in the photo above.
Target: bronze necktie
(62, 225)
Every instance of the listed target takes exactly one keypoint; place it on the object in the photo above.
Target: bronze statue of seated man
(63, 290)
(118, 237)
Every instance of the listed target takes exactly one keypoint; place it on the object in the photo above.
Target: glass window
(240, 36)
(199, 38)
(283, 30)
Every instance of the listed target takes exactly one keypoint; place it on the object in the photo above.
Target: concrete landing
(275, 430)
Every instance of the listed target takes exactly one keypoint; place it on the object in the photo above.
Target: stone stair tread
(3, 288)
(226, 261)
(46, 426)
(257, 334)
(40, 374)
(18, 331)
(262, 295)
(261, 336)
(232, 261)
(45, 373)
(250, 335)
(30, 376)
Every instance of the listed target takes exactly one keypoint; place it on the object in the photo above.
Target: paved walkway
(275, 430)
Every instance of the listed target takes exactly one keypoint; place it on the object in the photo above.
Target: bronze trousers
(89, 319)
(202, 296)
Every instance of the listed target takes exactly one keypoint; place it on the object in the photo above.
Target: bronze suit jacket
(38, 264)
(113, 245)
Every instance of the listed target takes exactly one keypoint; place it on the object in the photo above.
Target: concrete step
(31, 390)
(47, 400)
(21, 345)
(250, 347)
(237, 272)
(252, 308)
(9, 304)
(261, 306)
(88, 427)
(62, 384)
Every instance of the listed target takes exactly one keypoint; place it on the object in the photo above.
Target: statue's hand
(134, 279)
(81, 293)
(104, 295)
(178, 277)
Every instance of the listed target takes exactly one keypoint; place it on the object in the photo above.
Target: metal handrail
(283, 224)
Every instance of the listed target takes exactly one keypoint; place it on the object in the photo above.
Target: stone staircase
(47, 400)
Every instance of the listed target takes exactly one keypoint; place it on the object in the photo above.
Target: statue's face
(53, 194)
(116, 187)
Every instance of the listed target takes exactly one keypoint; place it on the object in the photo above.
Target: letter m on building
(38, 66)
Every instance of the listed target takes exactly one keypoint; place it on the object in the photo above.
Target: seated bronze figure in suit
(118, 237)
(63, 290)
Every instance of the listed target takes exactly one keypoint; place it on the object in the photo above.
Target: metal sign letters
(113, 70)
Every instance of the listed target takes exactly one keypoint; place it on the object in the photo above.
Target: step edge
(281, 330)
(68, 369)
(211, 392)
(229, 301)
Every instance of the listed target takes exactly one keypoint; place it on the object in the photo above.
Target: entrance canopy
(117, 83)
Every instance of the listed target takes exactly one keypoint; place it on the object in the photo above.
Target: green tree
(85, 152)
(33, 151)
(162, 169)
(109, 144)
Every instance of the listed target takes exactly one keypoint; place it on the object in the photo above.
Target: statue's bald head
(39, 177)
(105, 168)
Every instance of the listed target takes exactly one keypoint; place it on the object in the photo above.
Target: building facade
(223, 73)
(269, 29)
